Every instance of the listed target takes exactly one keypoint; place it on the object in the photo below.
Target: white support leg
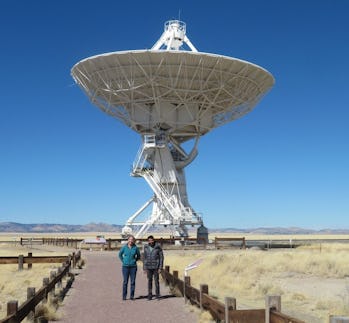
(127, 229)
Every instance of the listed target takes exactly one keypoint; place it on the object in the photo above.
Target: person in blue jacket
(129, 254)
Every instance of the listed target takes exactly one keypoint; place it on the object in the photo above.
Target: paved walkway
(95, 296)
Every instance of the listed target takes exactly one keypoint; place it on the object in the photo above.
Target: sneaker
(124, 298)
(149, 297)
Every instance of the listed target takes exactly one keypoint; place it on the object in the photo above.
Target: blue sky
(285, 164)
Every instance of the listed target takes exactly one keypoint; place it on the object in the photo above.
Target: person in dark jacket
(129, 254)
(153, 260)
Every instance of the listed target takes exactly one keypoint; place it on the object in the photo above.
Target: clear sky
(285, 164)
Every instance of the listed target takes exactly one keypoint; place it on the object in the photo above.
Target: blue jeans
(129, 273)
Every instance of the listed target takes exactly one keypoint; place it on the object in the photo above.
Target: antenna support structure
(161, 161)
(170, 96)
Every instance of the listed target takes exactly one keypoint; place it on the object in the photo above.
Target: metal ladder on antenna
(173, 207)
(140, 169)
(163, 195)
(140, 164)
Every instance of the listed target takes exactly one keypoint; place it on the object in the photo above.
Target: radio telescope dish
(170, 95)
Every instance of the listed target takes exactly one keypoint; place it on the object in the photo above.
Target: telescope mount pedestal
(161, 162)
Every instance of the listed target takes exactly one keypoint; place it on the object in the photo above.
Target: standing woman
(129, 254)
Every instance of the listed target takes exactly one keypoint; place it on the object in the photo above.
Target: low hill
(53, 227)
(105, 227)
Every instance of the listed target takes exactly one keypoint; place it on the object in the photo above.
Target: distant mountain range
(51, 228)
(281, 230)
(104, 227)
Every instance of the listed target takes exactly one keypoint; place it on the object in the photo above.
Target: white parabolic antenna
(170, 95)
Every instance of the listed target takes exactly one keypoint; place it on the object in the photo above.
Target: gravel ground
(96, 296)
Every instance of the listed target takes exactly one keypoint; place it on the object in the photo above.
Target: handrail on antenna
(180, 25)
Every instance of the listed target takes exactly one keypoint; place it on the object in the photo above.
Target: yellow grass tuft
(47, 311)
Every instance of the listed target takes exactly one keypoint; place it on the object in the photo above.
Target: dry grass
(313, 284)
(14, 283)
(250, 236)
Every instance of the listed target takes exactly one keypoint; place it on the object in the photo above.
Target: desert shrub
(81, 263)
(269, 289)
(47, 311)
(298, 297)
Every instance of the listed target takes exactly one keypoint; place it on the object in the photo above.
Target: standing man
(129, 254)
(152, 264)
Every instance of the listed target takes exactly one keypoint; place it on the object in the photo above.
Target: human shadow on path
(155, 298)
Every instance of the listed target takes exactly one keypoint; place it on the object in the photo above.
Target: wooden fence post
(67, 264)
(229, 304)
(167, 268)
(20, 262)
(30, 265)
(175, 276)
(52, 277)
(45, 283)
(109, 244)
(31, 294)
(69, 261)
(243, 243)
(59, 271)
(74, 260)
(12, 307)
(271, 302)
(339, 319)
(185, 283)
(203, 290)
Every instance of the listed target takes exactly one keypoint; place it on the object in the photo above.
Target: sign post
(186, 269)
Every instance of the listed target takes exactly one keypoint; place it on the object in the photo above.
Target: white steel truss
(161, 162)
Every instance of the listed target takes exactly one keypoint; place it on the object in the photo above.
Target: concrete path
(96, 296)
